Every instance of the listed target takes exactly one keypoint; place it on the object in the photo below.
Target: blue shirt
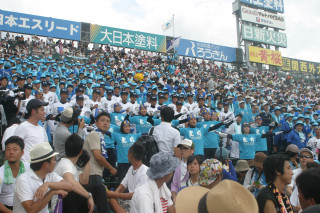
(109, 142)
(197, 135)
(117, 118)
(141, 123)
(212, 139)
(247, 144)
(294, 138)
(262, 146)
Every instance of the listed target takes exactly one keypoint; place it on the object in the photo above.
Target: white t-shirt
(314, 143)
(294, 199)
(27, 185)
(32, 135)
(7, 190)
(8, 133)
(135, 178)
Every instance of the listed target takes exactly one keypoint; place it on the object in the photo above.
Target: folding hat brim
(188, 199)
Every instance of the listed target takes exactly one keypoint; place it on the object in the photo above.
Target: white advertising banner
(262, 17)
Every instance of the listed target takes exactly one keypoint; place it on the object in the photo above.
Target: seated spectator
(255, 178)
(278, 174)
(193, 165)
(9, 172)
(181, 174)
(31, 193)
(226, 197)
(80, 200)
(241, 168)
(136, 176)
(309, 187)
(154, 195)
(12, 125)
(222, 154)
(293, 151)
(210, 173)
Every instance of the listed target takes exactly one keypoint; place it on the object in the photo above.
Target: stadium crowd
(175, 134)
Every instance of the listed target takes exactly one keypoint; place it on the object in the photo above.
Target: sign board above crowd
(127, 38)
(39, 25)
(207, 51)
(296, 65)
(264, 36)
(274, 5)
(265, 56)
(261, 17)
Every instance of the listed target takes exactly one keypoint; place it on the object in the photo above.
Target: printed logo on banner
(290, 64)
(127, 38)
(265, 56)
(262, 17)
(206, 51)
(264, 36)
(275, 5)
(39, 25)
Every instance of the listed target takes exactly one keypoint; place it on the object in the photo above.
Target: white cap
(187, 143)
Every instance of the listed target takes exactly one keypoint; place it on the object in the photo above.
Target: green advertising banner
(127, 38)
(264, 36)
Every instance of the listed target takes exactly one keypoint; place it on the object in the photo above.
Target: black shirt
(264, 195)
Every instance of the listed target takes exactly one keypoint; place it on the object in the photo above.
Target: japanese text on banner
(265, 56)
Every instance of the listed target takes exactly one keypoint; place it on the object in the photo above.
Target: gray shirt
(166, 137)
(60, 135)
(211, 85)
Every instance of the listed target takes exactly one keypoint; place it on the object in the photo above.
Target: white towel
(163, 191)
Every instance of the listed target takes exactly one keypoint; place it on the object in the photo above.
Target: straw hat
(41, 152)
(227, 197)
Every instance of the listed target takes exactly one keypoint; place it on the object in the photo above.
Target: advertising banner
(127, 38)
(265, 56)
(262, 17)
(264, 36)
(206, 51)
(275, 5)
(296, 65)
(39, 25)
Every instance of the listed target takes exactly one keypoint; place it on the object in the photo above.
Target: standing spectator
(31, 193)
(30, 131)
(9, 172)
(278, 174)
(154, 195)
(165, 135)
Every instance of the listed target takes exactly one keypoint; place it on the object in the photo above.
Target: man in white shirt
(314, 142)
(32, 192)
(10, 171)
(13, 124)
(136, 176)
(30, 131)
(225, 113)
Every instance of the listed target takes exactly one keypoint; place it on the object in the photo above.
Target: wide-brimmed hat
(242, 166)
(41, 152)
(210, 170)
(162, 164)
(258, 159)
(292, 148)
(226, 197)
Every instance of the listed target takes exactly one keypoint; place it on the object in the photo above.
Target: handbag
(58, 207)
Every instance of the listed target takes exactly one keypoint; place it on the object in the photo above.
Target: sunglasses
(304, 156)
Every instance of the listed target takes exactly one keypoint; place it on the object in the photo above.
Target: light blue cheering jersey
(117, 118)
(262, 145)
(197, 135)
(109, 142)
(247, 144)
(212, 139)
(124, 142)
(142, 125)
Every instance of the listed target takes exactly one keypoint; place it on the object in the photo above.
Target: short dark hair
(102, 114)
(37, 166)
(273, 164)
(167, 114)
(308, 184)
(73, 145)
(192, 158)
(17, 140)
(14, 120)
(313, 165)
(137, 150)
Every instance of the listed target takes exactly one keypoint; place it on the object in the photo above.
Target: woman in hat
(297, 136)
(210, 173)
(292, 151)
(154, 196)
(241, 168)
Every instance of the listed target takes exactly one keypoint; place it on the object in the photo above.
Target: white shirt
(135, 178)
(7, 190)
(314, 143)
(166, 137)
(294, 199)
(26, 185)
(50, 97)
(107, 104)
(8, 133)
(32, 135)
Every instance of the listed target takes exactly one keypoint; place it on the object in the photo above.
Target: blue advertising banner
(206, 51)
(275, 5)
(39, 25)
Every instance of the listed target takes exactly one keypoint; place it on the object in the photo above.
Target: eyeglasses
(304, 156)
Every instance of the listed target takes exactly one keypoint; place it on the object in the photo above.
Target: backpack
(150, 146)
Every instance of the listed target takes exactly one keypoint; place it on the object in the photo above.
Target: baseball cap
(186, 143)
(79, 97)
(35, 104)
